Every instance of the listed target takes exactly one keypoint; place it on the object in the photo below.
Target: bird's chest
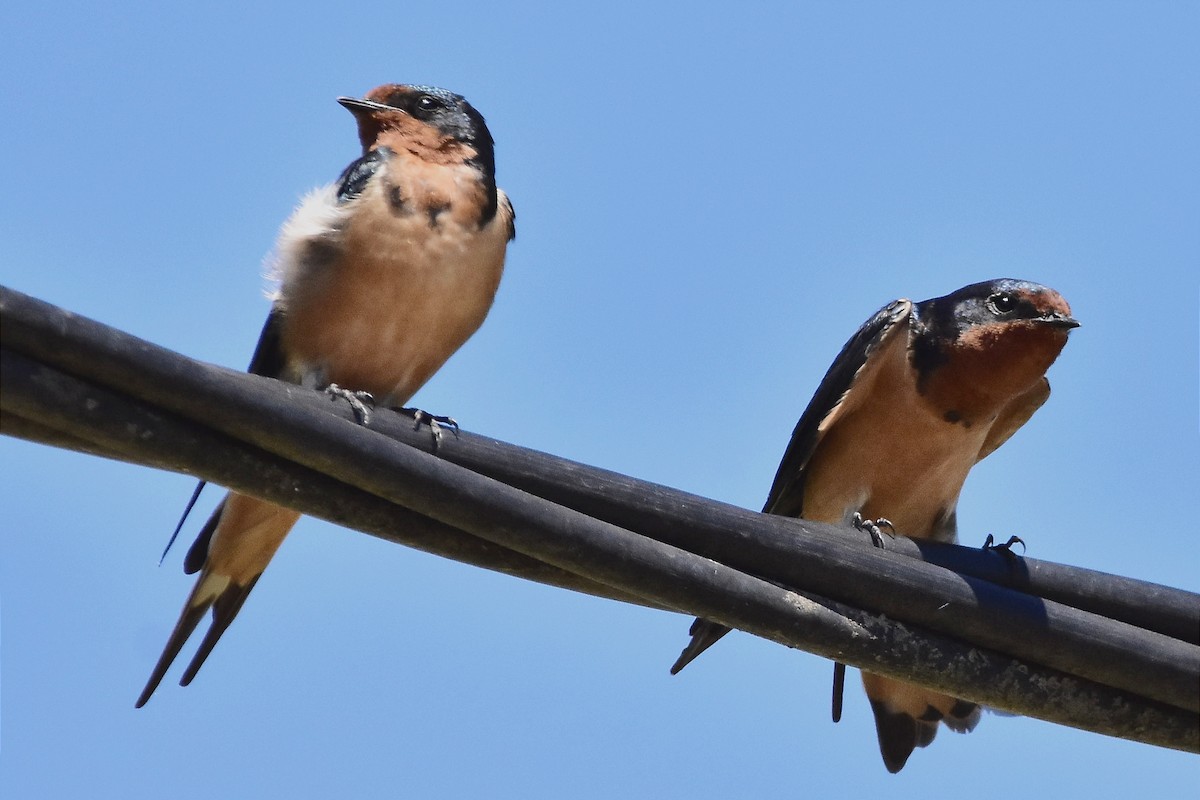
(405, 289)
(896, 457)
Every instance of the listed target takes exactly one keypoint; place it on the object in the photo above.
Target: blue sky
(709, 204)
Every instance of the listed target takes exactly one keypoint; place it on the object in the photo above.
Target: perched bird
(919, 395)
(382, 276)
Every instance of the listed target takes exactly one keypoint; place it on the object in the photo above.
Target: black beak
(1060, 321)
(356, 106)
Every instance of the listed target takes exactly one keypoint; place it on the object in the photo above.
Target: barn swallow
(382, 275)
(919, 395)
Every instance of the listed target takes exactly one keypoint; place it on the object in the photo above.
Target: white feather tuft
(319, 216)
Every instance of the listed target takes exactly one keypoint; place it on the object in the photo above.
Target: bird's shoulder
(851, 372)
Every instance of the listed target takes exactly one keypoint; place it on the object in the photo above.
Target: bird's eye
(428, 104)
(1001, 303)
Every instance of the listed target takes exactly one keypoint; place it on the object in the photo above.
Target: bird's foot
(361, 402)
(435, 422)
(1006, 548)
(875, 527)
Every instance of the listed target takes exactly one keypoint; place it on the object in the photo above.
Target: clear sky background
(710, 201)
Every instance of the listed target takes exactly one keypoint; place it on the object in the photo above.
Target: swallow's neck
(982, 371)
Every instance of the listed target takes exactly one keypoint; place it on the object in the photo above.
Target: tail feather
(225, 607)
(963, 716)
(839, 688)
(704, 635)
(197, 554)
(899, 734)
(907, 717)
(182, 519)
(199, 601)
(233, 549)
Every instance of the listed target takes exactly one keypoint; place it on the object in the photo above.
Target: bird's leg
(361, 402)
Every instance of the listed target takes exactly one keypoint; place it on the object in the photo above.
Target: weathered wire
(652, 558)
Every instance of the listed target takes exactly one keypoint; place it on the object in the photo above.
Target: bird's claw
(1006, 548)
(435, 422)
(874, 527)
(361, 402)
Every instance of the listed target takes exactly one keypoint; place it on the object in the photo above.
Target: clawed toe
(1006, 547)
(435, 422)
(874, 527)
(361, 402)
